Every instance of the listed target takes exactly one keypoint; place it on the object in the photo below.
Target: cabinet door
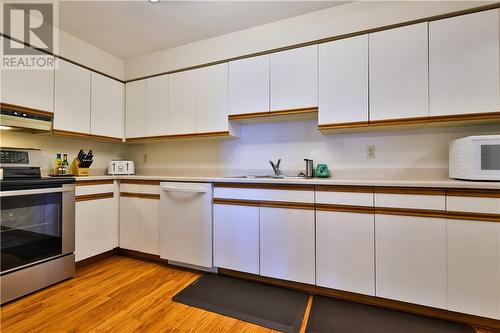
(130, 223)
(107, 107)
(182, 103)
(135, 109)
(345, 257)
(294, 78)
(96, 228)
(249, 85)
(211, 99)
(343, 81)
(411, 259)
(464, 66)
(399, 73)
(72, 98)
(474, 267)
(157, 105)
(236, 238)
(28, 88)
(150, 226)
(287, 244)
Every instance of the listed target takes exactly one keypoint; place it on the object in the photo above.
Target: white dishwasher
(186, 224)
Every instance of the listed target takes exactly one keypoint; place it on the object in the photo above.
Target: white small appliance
(475, 158)
(186, 224)
(120, 167)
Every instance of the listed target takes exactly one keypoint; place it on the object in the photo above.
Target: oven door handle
(35, 191)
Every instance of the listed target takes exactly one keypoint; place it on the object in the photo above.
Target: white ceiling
(131, 28)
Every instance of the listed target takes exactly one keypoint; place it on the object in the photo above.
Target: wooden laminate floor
(118, 294)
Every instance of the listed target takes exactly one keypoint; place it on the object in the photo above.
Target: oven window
(30, 229)
(490, 157)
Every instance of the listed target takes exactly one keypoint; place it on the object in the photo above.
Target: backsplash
(51, 145)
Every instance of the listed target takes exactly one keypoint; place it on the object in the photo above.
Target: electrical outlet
(370, 152)
(145, 158)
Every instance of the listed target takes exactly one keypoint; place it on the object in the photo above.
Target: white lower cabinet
(130, 223)
(139, 224)
(345, 257)
(474, 267)
(411, 259)
(236, 238)
(96, 227)
(287, 245)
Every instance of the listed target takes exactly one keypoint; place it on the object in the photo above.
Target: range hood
(28, 121)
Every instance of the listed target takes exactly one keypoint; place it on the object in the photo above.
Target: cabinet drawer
(473, 205)
(130, 188)
(150, 189)
(94, 189)
(411, 201)
(261, 194)
(344, 198)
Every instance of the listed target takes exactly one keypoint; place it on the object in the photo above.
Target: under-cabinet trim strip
(140, 195)
(97, 196)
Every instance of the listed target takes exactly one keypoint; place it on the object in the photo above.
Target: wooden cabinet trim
(235, 202)
(344, 188)
(70, 133)
(370, 300)
(410, 190)
(354, 124)
(473, 216)
(476, 193)
(266, 114)
(291, 187)
(93, 182)
(97, 196)
(345, 208)
(25, 109)
(287, 205)
(140, 181)
(180, 136)
(105, 138)
(411, 212)
(140, 195)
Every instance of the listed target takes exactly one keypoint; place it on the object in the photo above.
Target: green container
(322, 171)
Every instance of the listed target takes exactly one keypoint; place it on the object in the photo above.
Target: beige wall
(51, 145)
(425, 148)
(356, 16)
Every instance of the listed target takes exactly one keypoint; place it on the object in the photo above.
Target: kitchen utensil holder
(77, 170)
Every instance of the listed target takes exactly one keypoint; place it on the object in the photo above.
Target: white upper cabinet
(157, 105)
(399, 73)
(464, 65)
(107, 107)
(249, 85)
(294, 78)
(135, 109)
(29, 88)
(72, 98)
(211, 99)
(182, 103)
(343, 81)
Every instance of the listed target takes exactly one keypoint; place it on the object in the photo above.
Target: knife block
(77, 171)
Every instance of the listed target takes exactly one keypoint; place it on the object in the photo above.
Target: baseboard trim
(471, 320)
(96, 258)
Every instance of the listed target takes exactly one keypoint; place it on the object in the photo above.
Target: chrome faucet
(276, 167)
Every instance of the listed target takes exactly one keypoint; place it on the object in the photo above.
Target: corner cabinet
(107, 107)
(464, 66)
(399, 73)
(29, 88)
(343, 81)
(135, 109)
(72, 98)
(294, 79)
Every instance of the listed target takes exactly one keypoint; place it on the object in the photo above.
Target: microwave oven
(475, 158)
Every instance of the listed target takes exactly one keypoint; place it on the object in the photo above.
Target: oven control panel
(14, 157)
(20, 157)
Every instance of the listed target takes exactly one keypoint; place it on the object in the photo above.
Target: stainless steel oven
(37, 226)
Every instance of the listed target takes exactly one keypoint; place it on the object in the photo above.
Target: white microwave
(475, 158)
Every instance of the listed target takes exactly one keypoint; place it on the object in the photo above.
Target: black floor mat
(338, 316)
(273, 307)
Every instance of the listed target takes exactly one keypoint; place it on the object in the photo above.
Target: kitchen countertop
(443, 183)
